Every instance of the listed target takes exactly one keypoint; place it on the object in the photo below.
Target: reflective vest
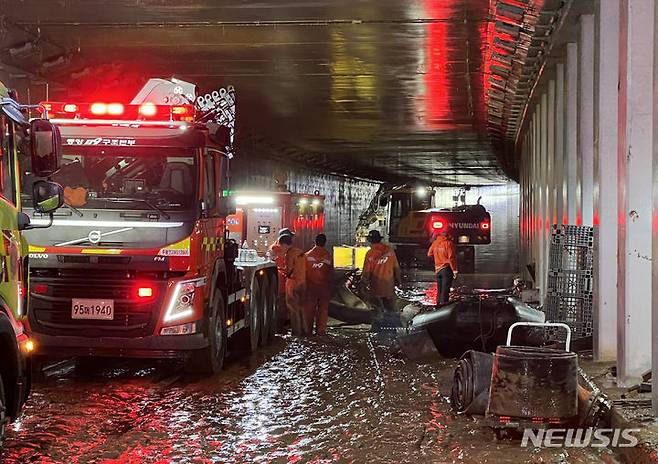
(381, 269)
(318, 267)
(443, 252)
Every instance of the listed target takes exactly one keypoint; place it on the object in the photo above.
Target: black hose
(462, 386)
(470, 387)
(484, 338)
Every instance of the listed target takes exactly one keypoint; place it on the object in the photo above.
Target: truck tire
(3, 412)
(267, 307)
(210, 360)
(274, 306)
(255, 315)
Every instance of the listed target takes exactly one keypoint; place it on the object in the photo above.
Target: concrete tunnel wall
(345, 199)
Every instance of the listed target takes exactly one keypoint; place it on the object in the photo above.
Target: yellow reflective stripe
(212, 243)
(100, 251)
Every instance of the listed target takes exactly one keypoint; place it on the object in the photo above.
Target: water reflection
(348, 397)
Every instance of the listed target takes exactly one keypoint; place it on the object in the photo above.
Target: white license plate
(87, 308)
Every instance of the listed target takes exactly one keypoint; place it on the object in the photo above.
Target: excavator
(407, 216)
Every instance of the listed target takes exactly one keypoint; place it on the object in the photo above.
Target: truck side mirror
(47, 196)
(46, 147)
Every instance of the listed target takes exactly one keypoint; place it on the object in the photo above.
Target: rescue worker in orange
(318, 286)
(381, 271)
(295, 275)
(278, 255)
(445, 264)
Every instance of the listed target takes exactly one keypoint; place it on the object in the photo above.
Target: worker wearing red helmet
(318, 286)
(445, 264)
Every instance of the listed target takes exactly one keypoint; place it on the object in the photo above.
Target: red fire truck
(138, 262)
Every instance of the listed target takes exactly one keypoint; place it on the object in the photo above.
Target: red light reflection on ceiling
(437, 111)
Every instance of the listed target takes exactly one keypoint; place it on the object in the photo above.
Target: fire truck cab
(138, 263)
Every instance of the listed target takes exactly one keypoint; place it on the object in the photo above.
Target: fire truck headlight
(182, 299)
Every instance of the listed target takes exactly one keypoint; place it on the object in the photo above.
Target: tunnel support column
(586, 116)
(535, 196)
(549, 219)
(654, 262)
(635, 202)
(542, 269)
(560, 164)
(571, 141)
(605, 182)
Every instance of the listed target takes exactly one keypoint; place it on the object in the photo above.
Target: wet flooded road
(348, 397)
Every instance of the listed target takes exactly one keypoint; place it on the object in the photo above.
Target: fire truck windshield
(124, 178)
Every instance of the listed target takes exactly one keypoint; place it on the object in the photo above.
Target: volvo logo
(38, 255)
(94, 236)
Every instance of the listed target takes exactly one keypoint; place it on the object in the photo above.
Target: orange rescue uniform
(443, 252)
(296, 289)
(381, 270)
(318, 289)
(278, 255)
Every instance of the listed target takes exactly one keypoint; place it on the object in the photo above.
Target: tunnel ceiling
(391, 90)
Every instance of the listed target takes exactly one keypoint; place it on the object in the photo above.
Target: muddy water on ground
(349, 397)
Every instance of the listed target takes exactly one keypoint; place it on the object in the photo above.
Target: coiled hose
(470, 387)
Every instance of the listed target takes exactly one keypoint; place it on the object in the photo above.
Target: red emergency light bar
(115, 110)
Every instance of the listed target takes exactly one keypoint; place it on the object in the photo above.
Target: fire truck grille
(50, 311)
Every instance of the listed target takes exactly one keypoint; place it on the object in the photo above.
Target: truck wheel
(210, 360)
(255, 315)
(273, 307)
(3, 412)
(266, 308)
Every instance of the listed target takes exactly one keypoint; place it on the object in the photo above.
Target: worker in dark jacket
(381, 271)
(445, 265)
